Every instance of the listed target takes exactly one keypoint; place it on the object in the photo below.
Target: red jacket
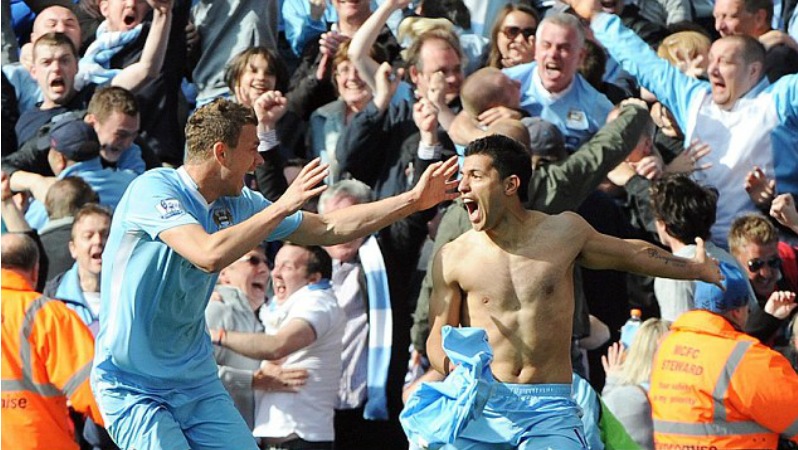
(47, 356)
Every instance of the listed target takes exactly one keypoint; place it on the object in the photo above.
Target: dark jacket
(377, 148)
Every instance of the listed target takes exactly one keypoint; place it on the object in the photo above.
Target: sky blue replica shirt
(579, 111)
(109, 184)
(152, 328)
(760, 129)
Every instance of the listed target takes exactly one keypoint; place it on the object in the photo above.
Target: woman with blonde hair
(688, 51)
(626, 390)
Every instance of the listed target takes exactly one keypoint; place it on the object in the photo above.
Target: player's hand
(270, 108)
(306, 186)
(437, 184)
(613, 360)
(272, 377)
(709, 268)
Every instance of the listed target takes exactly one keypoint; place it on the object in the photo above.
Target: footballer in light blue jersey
(154, 375)
(154, 296)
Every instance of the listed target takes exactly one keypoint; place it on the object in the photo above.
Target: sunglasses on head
(254, 260)
(755, 264)
(513, 32)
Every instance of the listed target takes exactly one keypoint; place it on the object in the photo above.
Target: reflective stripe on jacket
(713, 387)
(47, 356)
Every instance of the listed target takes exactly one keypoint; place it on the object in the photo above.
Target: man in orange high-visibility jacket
(715, 387)
(47, 355)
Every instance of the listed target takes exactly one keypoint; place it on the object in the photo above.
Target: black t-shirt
(30, 121)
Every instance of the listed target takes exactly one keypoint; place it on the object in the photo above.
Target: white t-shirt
(309, 412)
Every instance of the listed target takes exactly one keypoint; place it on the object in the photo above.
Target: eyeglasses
(513, 32)
(254, 260)
(754, 265)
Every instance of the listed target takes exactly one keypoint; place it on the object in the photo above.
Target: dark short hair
(55, 39)
(66, 196)
(752, 6)
(752, 50)
(89, 209)
(686, 208)
(594, 64)
(509, 157)
(19, 251)
(454, 11)
(239, 63)
(319, 261)
(110, 99)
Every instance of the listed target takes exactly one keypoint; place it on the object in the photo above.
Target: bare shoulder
(460, 246)
(566, 225)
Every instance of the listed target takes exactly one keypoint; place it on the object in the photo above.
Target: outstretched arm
(213, 252)
(365, 38)
(356, 221)
(600, 251)
(148, 67)
(444, 309)
(294, 335)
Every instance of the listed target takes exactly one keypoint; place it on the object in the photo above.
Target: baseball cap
(545, 139)
(74, 138)
(711, 298)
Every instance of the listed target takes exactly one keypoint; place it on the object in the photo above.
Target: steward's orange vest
(47, 356)
(715, 388)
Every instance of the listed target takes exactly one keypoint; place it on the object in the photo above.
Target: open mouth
(553, 69)
(474, 213)
(129, 19)
(58, 83)
(97, 256)
(259, 286)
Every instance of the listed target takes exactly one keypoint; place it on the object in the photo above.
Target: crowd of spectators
(661, 120)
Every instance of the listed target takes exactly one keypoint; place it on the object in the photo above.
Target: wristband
(428, 152)
(268, 140)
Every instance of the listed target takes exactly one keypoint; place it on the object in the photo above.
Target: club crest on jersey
(223, 218)
(169, 208)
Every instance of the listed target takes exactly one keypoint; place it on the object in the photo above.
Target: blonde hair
(751, 228)
(413, 27)
(692, 43)
(636, 367)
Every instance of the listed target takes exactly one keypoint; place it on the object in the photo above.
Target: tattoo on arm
(667, 260)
